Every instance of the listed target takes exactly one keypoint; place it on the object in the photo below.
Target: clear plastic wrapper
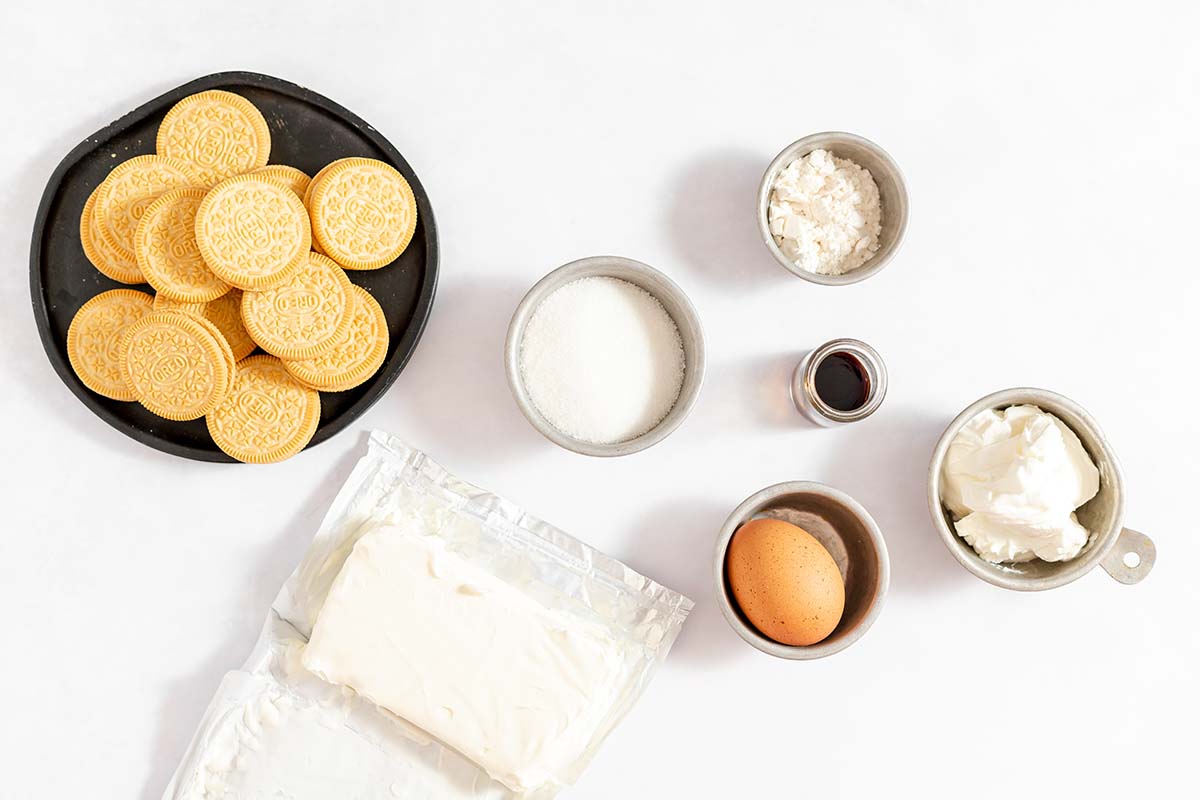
(273, 726)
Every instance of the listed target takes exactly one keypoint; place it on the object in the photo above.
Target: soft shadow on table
(455, 387)
(752, 393)
(712, 222)
(186, 698)
(882, 462)
(673, 544)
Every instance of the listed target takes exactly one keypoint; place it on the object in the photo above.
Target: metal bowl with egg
(893, 197)
(1126, 555)
(849, 535)
(677, 306)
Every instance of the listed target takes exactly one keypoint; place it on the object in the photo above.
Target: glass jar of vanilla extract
(841, 381)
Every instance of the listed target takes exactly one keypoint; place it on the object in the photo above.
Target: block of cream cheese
(275, 731)
(486, 645)
(515, 686)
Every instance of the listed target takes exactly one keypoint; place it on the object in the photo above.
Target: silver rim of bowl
(802, 147)
(667, 292)
(993, 573)
(744, 512)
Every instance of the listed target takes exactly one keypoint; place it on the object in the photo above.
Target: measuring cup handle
(1140, 551)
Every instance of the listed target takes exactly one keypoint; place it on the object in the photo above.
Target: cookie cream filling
(519, 688)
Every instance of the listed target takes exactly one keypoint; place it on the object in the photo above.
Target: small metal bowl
(673, 300)
(1109, 544)
(893, 198)
(850, 535)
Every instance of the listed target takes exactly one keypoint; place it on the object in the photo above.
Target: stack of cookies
(241, 256)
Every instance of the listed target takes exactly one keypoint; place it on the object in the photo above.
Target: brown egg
(785, 581)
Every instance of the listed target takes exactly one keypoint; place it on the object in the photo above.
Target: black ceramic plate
(307, 131)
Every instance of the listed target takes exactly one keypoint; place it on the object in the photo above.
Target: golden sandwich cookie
(162, 303)
(308, 190)
(128, 190)
(296, 180)
(268, 415)
(363, 212)
(303, 317)
(219, 338)
(197, 312)
(174, 364)
(316, 246)
(167, 253)
(358, 353)
(253, 231)
(221, 134)
(226, 313)
(94, 339)
(108, 261)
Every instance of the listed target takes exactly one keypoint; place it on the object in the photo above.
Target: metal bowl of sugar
(893, 201)
(666, 295)
(1126, 555)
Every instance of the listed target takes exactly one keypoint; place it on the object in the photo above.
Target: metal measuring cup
(1126, 555)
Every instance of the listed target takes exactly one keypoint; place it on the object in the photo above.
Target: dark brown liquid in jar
(842, 382)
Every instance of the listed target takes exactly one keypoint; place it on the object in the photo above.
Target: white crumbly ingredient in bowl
(824, 213)
(1013, 479)
(519, 688)
(602, 360)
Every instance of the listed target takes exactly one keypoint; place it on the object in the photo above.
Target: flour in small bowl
(824, 213)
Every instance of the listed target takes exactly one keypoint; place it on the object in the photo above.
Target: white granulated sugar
(602, 360)
(824, 213)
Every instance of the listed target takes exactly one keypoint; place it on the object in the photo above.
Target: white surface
(1053, 168)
